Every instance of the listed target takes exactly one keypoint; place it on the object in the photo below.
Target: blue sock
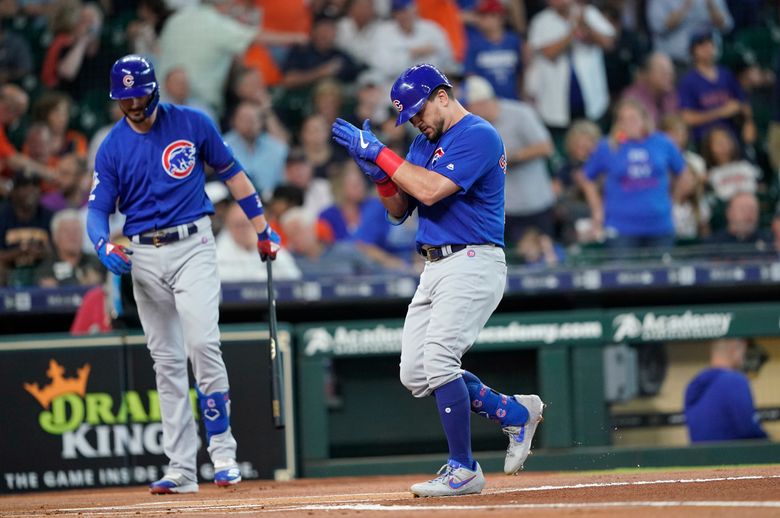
(494, 405)
(452, 399)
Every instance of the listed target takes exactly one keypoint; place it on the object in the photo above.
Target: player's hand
(370, 169)
(114, 257)
(268, 243)
(362, 144)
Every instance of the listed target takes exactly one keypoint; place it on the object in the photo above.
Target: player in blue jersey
(453, 176)
(151, 166)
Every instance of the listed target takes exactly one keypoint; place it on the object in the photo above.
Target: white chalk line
(358, 499)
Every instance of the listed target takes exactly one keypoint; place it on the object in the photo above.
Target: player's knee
(414, 382)
(215, 411)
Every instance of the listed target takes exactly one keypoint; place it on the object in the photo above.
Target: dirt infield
(713, 492)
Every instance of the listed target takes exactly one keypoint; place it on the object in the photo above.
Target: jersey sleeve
(595, 164)
(214, 150)
(470, 155)
(105, 182)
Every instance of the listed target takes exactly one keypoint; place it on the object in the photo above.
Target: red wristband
(388, 161)
(386, 188)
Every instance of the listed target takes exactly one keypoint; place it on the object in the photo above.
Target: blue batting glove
(114, 257)
(268, 243)
(362, 144)
(371, 170)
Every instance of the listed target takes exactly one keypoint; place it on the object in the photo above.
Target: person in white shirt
(356, 30)
(566, 79)
(237, 255)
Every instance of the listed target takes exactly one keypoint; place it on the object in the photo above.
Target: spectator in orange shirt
(13, 105)
(446, 13)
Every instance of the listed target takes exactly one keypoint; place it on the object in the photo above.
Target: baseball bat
(277, 390)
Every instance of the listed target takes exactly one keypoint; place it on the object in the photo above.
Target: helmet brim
(131, 93)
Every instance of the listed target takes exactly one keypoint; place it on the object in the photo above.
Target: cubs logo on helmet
(128, 80)
(178, 159)
(398, 105)
(437, 155)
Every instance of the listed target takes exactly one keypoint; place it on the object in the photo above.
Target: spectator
(176, 86)
(219, 196)
(328, 100)
(372, 104)
(16, 60)
(143, 33)
(95, 313)
(319, 260)
(691, 213)
(285, 197)
(53, 109)
(237, 255)
(581, 140)
(319, 59)
(529, 199)
(710, 95)
(317, 145)
(208, 56)
(629, 50)
(70, 185)
(654, 87)
(355, 31)
(24, 231)
(674, 22)
(13, 105)
(742, 223)
(728, 173)
(341, 220)
(392, 246)
(636, 162)
(494, 52)
(718, 402)
(248, 85)
(567, 79)
(114, 114)
(74, 53)
(39, 144)
(537, 249)
(263, 155)
(68, 266)
(407, 39)
(773, 135)
(446, 14)
(298, 172)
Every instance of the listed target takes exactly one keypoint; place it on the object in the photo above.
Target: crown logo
(59, 384)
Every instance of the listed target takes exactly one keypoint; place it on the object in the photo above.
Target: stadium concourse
(711, 492)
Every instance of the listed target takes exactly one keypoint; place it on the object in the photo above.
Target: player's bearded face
(134, 108)
(429, 122)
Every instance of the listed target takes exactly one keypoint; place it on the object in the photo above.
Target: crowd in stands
(628, 124)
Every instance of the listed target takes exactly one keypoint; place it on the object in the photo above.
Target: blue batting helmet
(412, 89)
(133, 76)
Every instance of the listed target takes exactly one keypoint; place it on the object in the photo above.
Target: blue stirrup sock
(452, 400)
(494, 405)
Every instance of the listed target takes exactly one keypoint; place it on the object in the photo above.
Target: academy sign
(681, 326)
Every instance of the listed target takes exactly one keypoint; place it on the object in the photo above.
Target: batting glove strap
(389, 161)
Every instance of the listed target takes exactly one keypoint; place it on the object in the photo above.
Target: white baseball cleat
(520, 437)
(226, 472)
(173, 483)
(454, 479)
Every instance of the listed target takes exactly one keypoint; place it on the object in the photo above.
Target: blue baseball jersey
(471, 154)
(636, 190)
(158, 176)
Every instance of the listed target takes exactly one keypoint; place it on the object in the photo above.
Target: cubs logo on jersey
(437, 155)
(178, 159)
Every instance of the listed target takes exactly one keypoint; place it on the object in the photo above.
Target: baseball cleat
(454, 479)
(173, 483)
(520, 437)
(226, 473)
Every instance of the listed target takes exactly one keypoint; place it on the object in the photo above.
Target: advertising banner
(89, 416)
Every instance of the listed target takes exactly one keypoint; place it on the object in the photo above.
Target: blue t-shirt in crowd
(334, 218)
(699, 93)
(719, 407)
(499, 62)
(471, 154)
(636, 191)
(398, 240)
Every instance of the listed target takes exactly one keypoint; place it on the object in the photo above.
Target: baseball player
(454, 176)
(152, 165)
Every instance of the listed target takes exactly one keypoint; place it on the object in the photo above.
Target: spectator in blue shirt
(711, 96)
(636, 162)
(493, 51)
(718, 402)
